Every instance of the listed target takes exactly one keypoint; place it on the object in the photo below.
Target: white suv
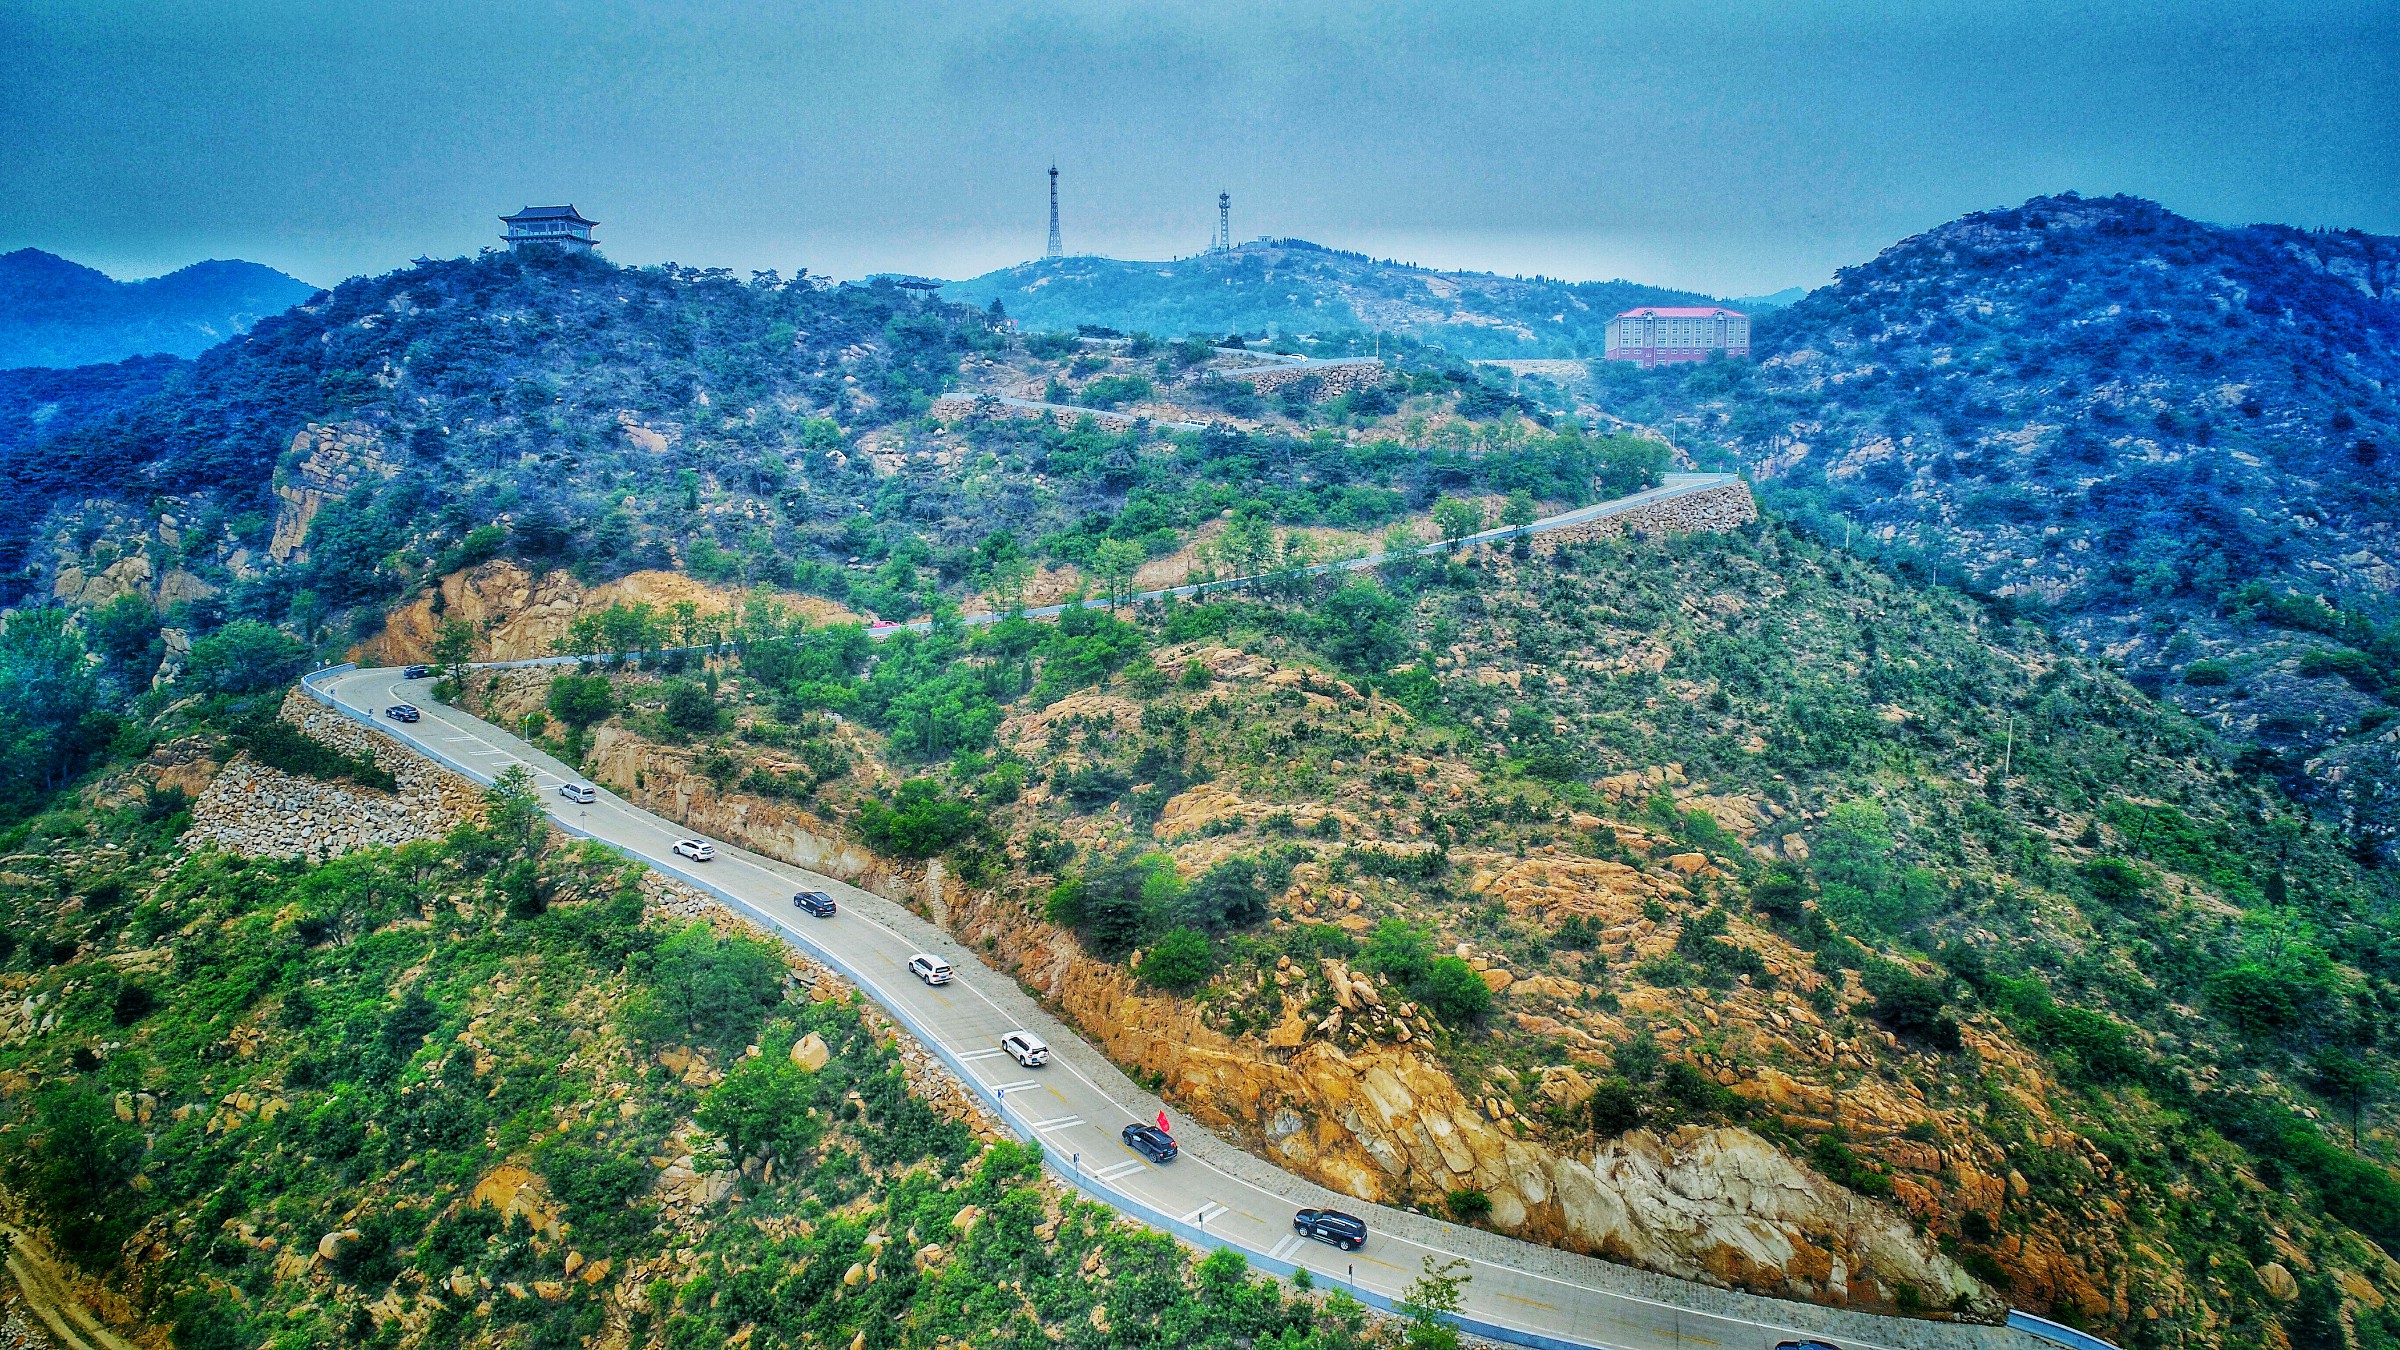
(698, 850)
(1026, 1048)
(930, 969)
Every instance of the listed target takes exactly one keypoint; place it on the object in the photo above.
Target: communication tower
(1055, 248)
(1224, 221)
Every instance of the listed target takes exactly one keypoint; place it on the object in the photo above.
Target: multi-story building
(558, 227)
(1656, 335)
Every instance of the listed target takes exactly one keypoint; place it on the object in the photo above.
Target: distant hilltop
(54, 312)
(1292, 286)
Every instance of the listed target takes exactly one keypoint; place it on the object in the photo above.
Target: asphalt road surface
(1214, 1194)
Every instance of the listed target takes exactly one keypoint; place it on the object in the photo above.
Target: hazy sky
(1728, 147)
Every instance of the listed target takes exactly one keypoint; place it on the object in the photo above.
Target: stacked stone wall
(1332, 380)
(263, 812)
(1715, 509)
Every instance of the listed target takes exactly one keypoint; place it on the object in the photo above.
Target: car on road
(578, 792)
(402, 712)
(1806, 1345)
(698, 850)
(929, 968)
(415, 672)
(1026, 1048)
(815, 902)
(1346, 1231)
(1151, 1142)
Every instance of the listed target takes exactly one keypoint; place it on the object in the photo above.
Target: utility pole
(1056, 249)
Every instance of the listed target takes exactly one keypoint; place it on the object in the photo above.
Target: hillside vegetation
(1656, 837)
(2171, 439)
(469, 1092)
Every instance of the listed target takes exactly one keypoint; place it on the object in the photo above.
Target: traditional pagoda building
(558, 227)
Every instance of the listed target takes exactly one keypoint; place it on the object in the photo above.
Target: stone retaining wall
(252, 809)
(1332, 380)
(1729, 507)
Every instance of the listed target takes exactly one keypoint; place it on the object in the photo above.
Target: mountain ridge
(1292, 286)
(55, 312)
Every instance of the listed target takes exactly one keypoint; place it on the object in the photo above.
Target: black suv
(1151, 1142)
(815, 902)
(1346, 1231)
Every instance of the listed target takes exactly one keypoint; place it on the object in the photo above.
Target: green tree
(705, 989)
(124, 634)
(47, 699)
(1115, 561)
(580, 701)
(763, 1107)
(453, 648)
(1454, 990)
(1432, 1304)
(2348, 1082)
(1520, 510)
(1456, 519)
(244, 657)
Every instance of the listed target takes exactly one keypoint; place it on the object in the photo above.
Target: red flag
(1162, 1123)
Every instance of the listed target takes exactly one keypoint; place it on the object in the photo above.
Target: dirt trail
(49, 1294)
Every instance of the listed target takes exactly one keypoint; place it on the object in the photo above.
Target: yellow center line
(1529, 1302)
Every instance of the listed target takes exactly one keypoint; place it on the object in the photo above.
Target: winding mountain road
(1215, 1194)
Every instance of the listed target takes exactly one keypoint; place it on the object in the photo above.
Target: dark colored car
(815, 902)
(415, 672)
(401, 712)
(1151, 1142)
(1806, 1345)
(1346, 1231)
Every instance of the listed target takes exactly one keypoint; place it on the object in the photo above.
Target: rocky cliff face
(329, 462)
(518, 614)
(1385, 1122)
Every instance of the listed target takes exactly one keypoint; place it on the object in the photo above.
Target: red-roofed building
(1659, 334)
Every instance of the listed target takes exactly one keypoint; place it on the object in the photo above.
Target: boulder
(810, 1052)
(2278, 1282)
(331, 1246)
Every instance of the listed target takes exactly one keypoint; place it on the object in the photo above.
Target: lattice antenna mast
(1056, 249)
(1224, 221)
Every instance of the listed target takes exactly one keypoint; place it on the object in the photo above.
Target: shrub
(1783, 893)
(279, 745)
(1905, 1003)
(1470, 1206)
(581, 700)
(690, 708)
(1615, 1108)
(1452, 989)
(2114, 881)
(2207, 674)
(1180, 961)
(1232, 894)
(132, 1003)
(922, 820)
